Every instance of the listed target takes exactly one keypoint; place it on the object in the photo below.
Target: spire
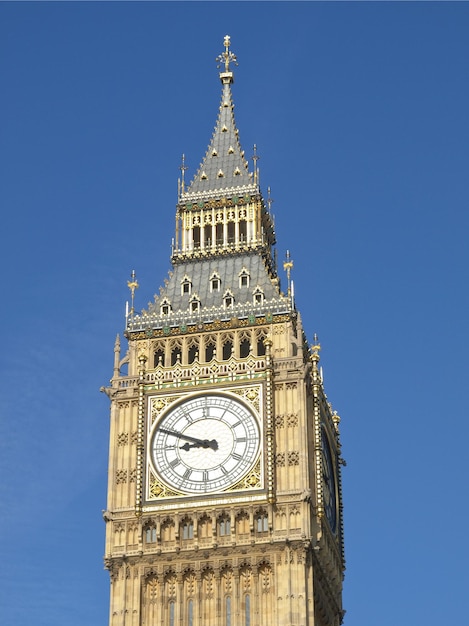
(224, 166)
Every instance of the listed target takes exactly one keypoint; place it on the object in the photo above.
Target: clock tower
(224, 498)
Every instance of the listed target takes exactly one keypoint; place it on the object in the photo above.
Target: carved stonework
(121, 476)
(252, 480)
(294, 457)
(279, 421)
(159, 490)
(280, 459)
(122, 439)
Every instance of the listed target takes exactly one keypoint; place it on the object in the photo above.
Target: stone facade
(266, 547)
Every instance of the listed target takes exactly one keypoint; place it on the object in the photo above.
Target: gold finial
(132, 284)
(316, 346)
(288, 266)
(226, 57)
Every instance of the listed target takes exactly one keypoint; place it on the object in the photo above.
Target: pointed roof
(224, 167)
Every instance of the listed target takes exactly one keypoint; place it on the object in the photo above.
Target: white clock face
(205, 444)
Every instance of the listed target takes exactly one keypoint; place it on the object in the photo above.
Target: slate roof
(199, 273)
(224, 166)
(223, 171)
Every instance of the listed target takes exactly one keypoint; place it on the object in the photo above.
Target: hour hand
(205, 443)
(198, 443)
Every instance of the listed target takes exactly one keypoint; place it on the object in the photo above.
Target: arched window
(244, 278)
(247, 610)
(194, 305)
(187, 529)
(167, 530)
(158, 357)
(227, 349)
(242, 230)
(224, 526)
(244, 348)
(176, 355)
(192, 353)
(215, 283)
(150, 534)
(231, 232)
(210, 350)
(228, 611)
(171, 613)
(258, 296)
(204, 527)
(260, 345)
(219, 234)
(196, 236)
(208, 234)
(186, 286)
(165, 307)
(190, 613)
(228, 300)
(262, 522)
(242, 523)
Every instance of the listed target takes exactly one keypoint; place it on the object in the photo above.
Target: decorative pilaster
(140, 435)
(269, 411)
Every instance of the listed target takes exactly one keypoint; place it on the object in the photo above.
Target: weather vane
(226, 57)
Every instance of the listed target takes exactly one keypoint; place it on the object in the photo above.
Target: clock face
(205, 444)
(329, 487)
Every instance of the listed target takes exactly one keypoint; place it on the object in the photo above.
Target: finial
(315, 348)
(288, 266)
(269, 199)
(132, 284)
(255, 157)
(183, 168)
(226, 58)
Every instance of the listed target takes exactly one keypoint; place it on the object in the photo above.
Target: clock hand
(203, 443)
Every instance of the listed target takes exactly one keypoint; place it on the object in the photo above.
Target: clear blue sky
(360, 115)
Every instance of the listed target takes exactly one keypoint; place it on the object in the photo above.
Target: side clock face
(329, 485)
(205, 444)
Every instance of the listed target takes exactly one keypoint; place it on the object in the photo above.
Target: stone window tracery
(167, 530)
(204, 527)
(224, 526)
(227, 351)
(158, 355)
(176, 353)
(242, 523)
(187, 529)
(210, 349)
(262, 522)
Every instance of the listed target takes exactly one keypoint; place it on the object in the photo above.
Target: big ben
(224, 494)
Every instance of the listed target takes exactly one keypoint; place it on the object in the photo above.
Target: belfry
(224, 495)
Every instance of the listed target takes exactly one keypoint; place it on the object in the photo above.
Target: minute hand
(204, 443)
